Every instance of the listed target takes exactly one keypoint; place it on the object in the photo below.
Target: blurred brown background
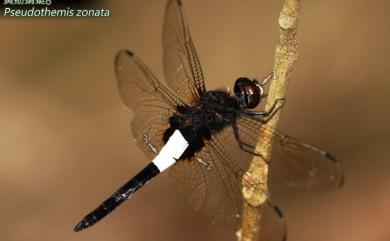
(65, 141)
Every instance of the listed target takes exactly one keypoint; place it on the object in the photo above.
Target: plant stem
(286, 55)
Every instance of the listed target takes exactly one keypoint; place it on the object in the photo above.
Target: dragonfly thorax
(212, 113)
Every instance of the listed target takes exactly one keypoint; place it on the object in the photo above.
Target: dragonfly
(207, 138)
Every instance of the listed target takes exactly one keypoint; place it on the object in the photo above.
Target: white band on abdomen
(173, 149)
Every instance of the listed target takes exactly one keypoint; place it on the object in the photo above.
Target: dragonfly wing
(272, 224)
(151, 102)
(211, 183)
(296, 164)
(182, 68)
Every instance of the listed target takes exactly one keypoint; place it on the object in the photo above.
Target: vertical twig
(286, 55)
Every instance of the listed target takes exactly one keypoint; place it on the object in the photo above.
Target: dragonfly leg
(244, 146)
(265, 116)
(256, 113)
(278, 104)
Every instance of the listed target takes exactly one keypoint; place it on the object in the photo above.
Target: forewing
(151, 102)
(293, 162)
(182, 68)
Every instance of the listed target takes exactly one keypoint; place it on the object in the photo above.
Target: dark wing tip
(284, 237)
(178, 2)
(278, 211)
(122, 53)
(125, 52)
(342, 181)
(342, 176)
(128, 52)
(330, 157)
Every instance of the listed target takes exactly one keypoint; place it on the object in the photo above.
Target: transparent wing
(183, 71)
(211, 183)
(272, 224)
(294, 163)
(151, 101)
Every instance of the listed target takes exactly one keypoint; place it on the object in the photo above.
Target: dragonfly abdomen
(119, 197)
(168, 155)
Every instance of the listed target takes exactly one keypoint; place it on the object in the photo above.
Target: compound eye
(248, 92)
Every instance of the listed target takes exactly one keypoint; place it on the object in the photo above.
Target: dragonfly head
(248, 92)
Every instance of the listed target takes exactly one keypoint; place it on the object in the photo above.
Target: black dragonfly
(221, 132)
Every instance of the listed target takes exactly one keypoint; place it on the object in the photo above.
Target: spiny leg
(243, 146)
(258, 117)
(265, 116)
